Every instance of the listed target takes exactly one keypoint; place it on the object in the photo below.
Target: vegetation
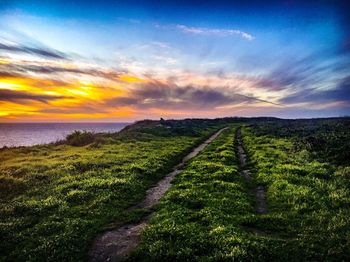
(209, 212)
(56, 198)
(308, 200)
(200, 218)
(78, 138)
(327, 140)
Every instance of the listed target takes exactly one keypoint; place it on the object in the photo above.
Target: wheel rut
(259, 190)
(116, 244)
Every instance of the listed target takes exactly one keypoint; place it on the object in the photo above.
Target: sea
(28, 134)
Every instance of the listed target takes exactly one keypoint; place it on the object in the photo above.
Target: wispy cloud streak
(214, 31)
(18, 96)
(32, 50)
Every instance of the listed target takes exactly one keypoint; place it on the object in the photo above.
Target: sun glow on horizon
(68, 66)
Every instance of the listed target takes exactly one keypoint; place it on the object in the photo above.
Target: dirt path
(259, 191)
(116, 244)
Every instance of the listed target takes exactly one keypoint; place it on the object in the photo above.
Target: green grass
(208, 214)
(56, 198)
(200, 216)
(326, 140)
(308, 201)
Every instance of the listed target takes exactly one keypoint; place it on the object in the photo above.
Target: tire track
(117, 244)
(259, 191)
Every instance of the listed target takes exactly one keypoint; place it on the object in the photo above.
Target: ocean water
(28, 134)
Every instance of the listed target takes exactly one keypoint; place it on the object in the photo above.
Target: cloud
(5, 74)
(297, 72)
(19, 96)
(82, 109)
(16, 69)
(161, 44)
(32, 50)
(305, 73)
(45, 69)
(165, 59)
(214, 31)
(339, 94)
(93, 88)
(21, 78)
(156, 94)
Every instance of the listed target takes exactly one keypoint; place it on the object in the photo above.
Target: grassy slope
(56, 198)
(327, 140)
(308, 200)
(200, 216)
(208, 214)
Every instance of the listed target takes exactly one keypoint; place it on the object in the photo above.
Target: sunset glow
(59, 61)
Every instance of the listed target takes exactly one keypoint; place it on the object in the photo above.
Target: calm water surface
(28, 134)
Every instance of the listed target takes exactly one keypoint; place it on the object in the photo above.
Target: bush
(78, 138)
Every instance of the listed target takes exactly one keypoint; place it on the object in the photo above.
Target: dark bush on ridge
(78, 138)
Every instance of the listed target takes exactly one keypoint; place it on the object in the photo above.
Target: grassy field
(208, 215)
(200, 217)
(309, 215)
(56, 198)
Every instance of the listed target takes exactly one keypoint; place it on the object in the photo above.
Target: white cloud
(161, 44)
(168, 60)
(214, 31)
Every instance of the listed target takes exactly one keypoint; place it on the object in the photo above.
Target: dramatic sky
(121, 61)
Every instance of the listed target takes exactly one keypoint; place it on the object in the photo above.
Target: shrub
(78, 138)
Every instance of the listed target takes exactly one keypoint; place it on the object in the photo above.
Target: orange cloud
(33, 98)
(131, 79)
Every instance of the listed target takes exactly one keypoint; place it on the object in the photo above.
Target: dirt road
(116, 244)
(259, 190)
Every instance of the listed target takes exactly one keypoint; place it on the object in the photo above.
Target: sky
(118, 61)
